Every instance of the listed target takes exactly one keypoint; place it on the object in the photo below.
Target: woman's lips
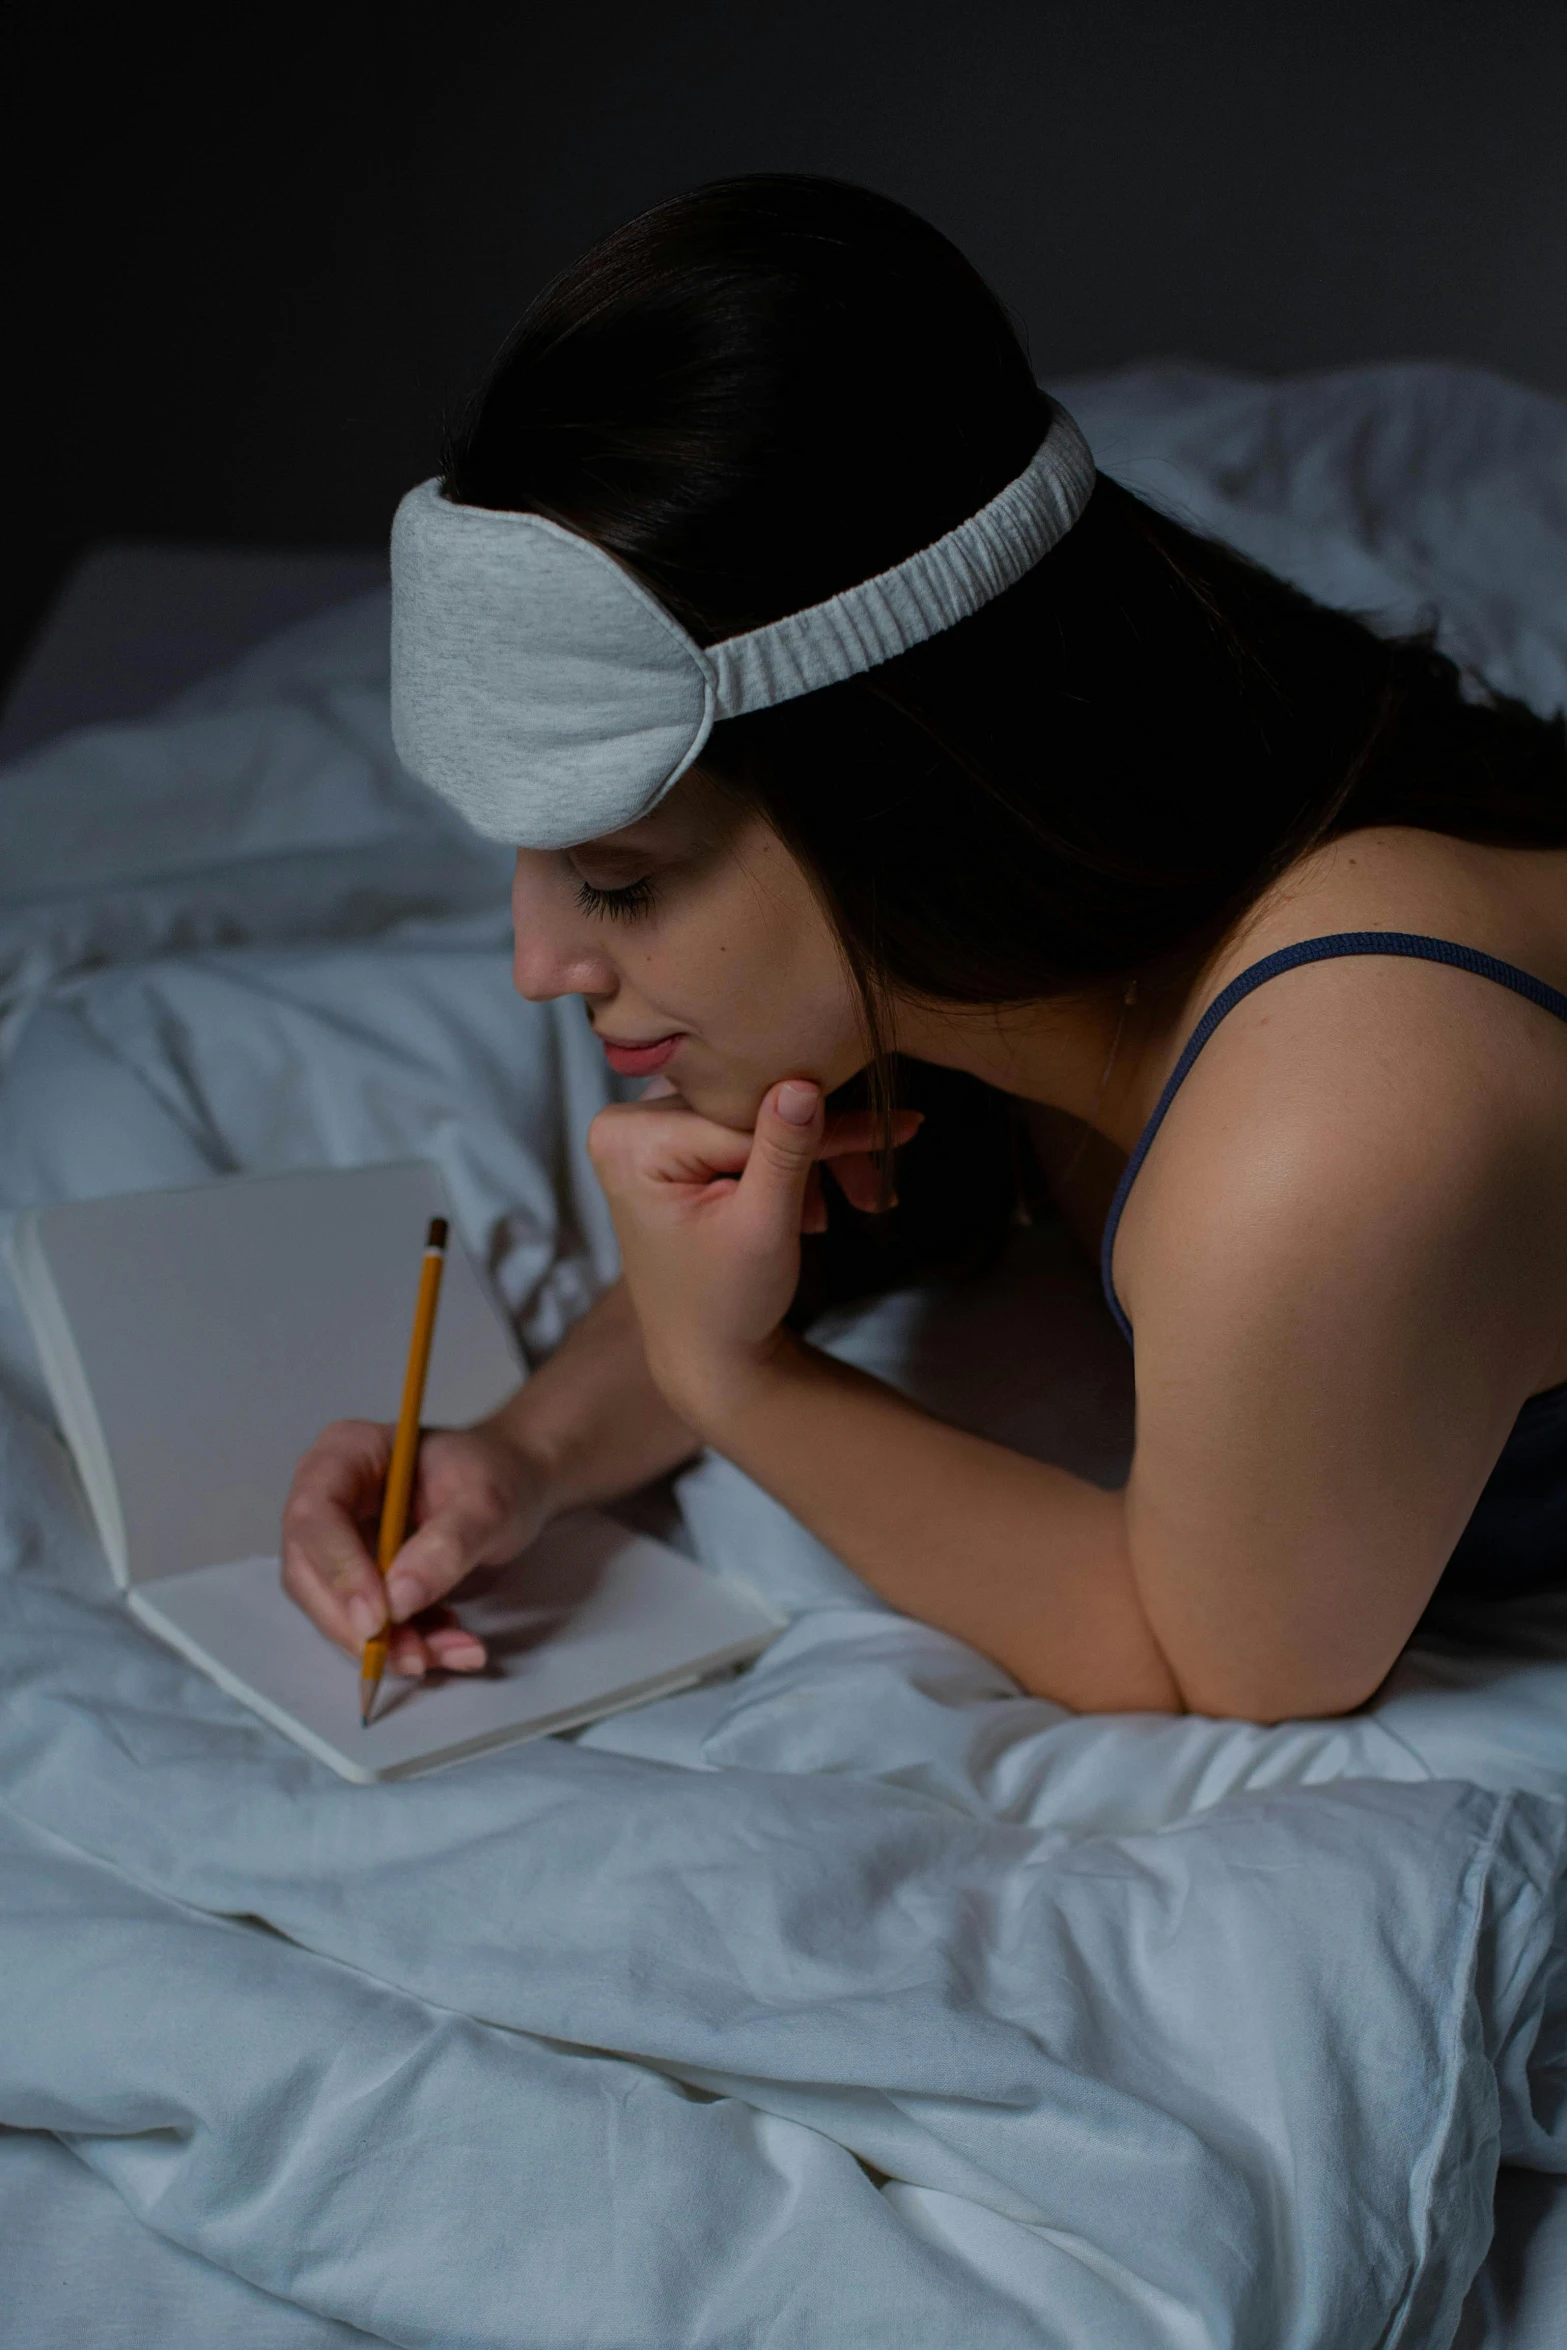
(641, 1060)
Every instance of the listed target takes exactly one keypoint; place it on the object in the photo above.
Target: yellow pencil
(405, 1452)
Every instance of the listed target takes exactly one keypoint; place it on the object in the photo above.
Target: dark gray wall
(263, 246)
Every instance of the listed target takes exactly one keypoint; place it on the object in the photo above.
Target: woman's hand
(478, 1500)
(709, 1221)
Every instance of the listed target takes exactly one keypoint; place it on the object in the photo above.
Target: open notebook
(194, 1342)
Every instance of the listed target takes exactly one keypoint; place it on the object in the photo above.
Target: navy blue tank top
(1516, 1539)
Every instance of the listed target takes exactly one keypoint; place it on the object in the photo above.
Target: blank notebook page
(591, 1613)
(222, 1328)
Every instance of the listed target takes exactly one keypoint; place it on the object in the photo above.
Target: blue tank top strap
(1309, 950)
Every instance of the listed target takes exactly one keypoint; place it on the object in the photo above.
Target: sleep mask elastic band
(550, 698)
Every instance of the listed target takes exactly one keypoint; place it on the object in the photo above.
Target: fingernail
(463, 1654)
(363, 1620)
(797, 1103)
(403, 1596)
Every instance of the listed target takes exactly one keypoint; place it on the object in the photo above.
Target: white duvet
(857, 2000)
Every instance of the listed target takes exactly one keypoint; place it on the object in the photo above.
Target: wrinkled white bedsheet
(855, 2000)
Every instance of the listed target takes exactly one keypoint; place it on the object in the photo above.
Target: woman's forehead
(696, 810)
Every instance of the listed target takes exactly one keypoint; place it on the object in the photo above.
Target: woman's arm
(590, 1422)
(588, 1426)
(1026, 1562)
(1337, 1321)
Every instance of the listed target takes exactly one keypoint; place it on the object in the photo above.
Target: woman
(1125, 847)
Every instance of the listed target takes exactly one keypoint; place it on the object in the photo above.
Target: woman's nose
(543, 967)
(552, 956)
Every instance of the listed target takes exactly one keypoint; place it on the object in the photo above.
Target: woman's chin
(728, 1101)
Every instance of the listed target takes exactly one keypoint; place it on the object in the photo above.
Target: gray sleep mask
(550, 698)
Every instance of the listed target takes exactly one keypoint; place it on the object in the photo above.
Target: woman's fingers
(858, 1176)
(777, 1164)
(786, 1141)
(856, 1133)
(327, 1566)
(480, 1500)
(435, 1559)
(435, 1643)
(665, 1140)
(774, 1191)
(669, 1141)
(853, 1147)
(478, 1503)
(452, 1645)
(709, 1222)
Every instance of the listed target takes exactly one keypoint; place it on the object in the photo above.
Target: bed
(857, 1999)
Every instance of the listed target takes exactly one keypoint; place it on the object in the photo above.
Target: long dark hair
(773, 387)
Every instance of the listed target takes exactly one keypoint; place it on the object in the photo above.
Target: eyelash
(621, 905)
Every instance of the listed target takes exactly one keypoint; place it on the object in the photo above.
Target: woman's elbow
(1268, 1695)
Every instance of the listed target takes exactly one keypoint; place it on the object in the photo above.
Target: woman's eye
(619, 904)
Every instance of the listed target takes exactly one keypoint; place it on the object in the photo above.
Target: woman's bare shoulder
(1363, 1104)
(1410, 1086)
(1345, 1262)
(1507, 902)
